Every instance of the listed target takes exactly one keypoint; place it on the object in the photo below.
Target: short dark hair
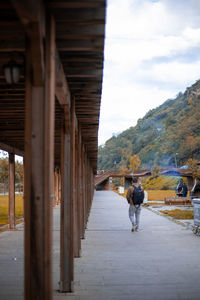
(135, 179)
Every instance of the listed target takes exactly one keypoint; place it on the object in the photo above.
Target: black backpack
(138, 195)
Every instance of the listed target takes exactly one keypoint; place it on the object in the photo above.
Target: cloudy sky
(152, 52)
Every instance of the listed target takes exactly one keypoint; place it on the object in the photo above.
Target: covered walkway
(159, 262)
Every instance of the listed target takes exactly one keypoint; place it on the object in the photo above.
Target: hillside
(172, 129)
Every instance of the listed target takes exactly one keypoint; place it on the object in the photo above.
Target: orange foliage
(134, 162)
(190, 139)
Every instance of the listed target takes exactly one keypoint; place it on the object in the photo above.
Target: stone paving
(160, 262)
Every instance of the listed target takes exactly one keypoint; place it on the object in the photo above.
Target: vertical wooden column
(83, 192)
(11, 190)
(57, 186)
(54, 189)
(66, 234)
(77, 197)
(73, 175)
(39, 161)
(80, 186)
(87, 188)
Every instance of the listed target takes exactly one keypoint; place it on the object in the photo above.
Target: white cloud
(145, 41)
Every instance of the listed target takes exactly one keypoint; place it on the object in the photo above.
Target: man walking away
(135, 197)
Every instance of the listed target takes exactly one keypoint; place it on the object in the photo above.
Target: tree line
(4, 164)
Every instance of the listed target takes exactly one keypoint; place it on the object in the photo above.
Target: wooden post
(73, 175)
(77, 197)
(66, 231)
(83, 192)
(39, 161)
(80, 184)
(11, 190)
(57, 186)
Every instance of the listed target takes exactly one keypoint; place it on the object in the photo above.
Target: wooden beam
(73, 36)
(62, 89)
(96, 29)
(74, 15)
(32, 15)
(78, 4)
(81, 45)
(11, 149)
(30, 11)
(11, 190)
(80, 22)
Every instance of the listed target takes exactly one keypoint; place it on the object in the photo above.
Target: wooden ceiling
(80, 35)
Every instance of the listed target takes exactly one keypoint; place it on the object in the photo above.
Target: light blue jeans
(134, 214)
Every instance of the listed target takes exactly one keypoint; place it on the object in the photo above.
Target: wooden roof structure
(51, 118)
(80, 29)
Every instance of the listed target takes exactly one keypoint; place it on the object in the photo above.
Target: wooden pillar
(54, 189)
(83, 192)
(66, 233)
(77, 197)
(80, 186)
(87, 190)
(57, 192)
(11, 190)
(39, 162)
(73, 175)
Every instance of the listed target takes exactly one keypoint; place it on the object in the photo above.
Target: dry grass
(159, 195)
(4, 208)
(156, 195)
(179, 214)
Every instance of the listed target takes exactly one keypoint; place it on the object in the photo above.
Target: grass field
(4, 208)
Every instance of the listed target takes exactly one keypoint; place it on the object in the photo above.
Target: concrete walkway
(161, 261)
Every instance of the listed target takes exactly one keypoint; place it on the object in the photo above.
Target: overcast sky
(152, 52)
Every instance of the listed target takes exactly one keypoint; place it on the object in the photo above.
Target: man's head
(134, 179)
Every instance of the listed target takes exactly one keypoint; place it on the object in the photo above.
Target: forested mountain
(165, 134)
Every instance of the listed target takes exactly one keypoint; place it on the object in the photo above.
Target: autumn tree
(192, 164)
(155, 171)
(134, 162)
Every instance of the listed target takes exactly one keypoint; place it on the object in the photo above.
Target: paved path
(161, 261)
